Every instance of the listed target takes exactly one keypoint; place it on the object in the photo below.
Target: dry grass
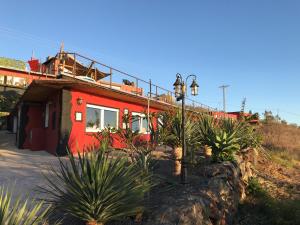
(285, 159)
(283, 140)
(273, 197)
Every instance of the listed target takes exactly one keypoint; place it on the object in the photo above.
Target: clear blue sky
(252, 45)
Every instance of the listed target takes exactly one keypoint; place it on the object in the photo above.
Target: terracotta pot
(177, 162)
(139, 217)
(207, 151)
(93, 223)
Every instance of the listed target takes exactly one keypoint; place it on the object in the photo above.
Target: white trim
(102, 108)
(138, 114)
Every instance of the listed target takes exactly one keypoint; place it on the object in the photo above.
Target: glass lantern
(194, 88)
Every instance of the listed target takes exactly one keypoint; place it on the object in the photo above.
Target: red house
(81, 98)
(56, 114)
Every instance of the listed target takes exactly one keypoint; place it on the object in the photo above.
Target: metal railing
(75, 64)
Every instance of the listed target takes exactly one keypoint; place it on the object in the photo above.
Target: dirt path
(22, 169)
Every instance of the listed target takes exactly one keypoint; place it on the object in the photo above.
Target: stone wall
(211, 197)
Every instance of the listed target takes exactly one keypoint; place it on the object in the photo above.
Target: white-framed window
(99, 117)
(139, 122)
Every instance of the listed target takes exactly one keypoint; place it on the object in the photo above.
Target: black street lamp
(180, 93)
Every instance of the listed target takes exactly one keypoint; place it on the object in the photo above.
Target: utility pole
(224, 96)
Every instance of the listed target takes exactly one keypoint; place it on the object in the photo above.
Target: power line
(26, 36)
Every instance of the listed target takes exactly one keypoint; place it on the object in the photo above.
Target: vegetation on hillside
(8, 100)
(281, 138)
(273, 196)
(261, 208)
(12, 63)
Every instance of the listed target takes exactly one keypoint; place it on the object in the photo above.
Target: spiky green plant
(224, 146)
(144, 161)
(174, 136)
(105, 139)
(127, 135)
(221, 135)
(247, 136)
(97, 189)
(205, 127)
(19, 212)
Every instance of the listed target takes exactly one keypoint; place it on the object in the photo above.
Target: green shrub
(224, 146)
(96, 189)
(127, 136)
(219, 135)
(265, 210)
(224, 136)
(19, 212)
(144, 161)
(247, 136)
(254, 187)
(174, 136)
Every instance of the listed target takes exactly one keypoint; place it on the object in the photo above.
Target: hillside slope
(274, 195)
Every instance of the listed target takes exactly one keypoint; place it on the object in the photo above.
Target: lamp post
(180, 94)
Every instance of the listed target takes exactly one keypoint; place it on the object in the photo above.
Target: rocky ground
(276, 201)
(280, 181)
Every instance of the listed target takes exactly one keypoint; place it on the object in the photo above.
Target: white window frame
(102, 108)
(141, 117)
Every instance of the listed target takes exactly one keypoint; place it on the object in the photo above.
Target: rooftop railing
(75, 64)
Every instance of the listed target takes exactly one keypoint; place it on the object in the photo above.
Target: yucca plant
(19, 212)
(205, 126)
(96, 189)
(174, 136)
(144, 161)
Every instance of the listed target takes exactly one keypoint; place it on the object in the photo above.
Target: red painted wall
(29, 76)
(38, 137)
(34, 129)
(80, 139)
(224, 115)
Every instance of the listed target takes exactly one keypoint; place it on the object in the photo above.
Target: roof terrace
(80, 67)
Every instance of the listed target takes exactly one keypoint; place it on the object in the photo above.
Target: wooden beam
(90, 68)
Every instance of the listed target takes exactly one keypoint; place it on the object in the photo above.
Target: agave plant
(246, 134)
(224, 146)
(220, 135)
(19, 212)
(97, 189)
